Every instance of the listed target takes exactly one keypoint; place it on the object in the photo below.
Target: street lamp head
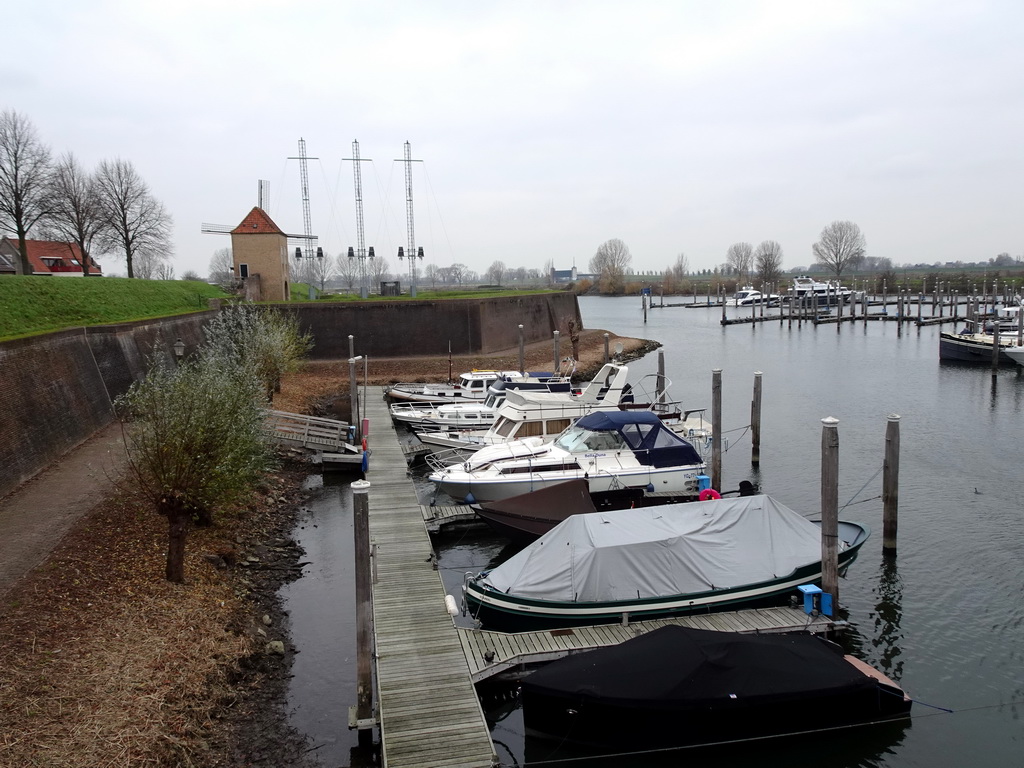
(179, 349)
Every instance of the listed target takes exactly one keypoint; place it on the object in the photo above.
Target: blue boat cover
(653, 443)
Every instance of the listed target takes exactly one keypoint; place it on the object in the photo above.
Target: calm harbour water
(944, 618)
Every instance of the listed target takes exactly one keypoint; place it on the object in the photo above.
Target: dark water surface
(945, 619)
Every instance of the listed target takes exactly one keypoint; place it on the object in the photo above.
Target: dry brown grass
(106, 663)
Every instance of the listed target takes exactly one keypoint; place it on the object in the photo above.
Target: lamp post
(179, 351)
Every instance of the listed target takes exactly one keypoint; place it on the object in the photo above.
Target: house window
(243, 271)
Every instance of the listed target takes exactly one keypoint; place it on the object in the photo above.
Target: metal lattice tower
(357, 175)
(307, 221)
(409, 224)
(360, 250)
(410, 227)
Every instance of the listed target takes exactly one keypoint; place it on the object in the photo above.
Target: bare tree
(549, 271)
(191, 275)
(222, 268)
(162, 270)
(768, 261)
(610, 263)
(681, 268)
(378, 270)
(347, 271)
(137, 223)
(432, 273)
(496, 272)
(75, 216)
(24, 180)
(841, 246)
(740, 258)
(459, 272)
(320, 270)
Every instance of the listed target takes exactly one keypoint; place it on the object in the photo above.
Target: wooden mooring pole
(716, 429)
(364, 611)
(755, 421)
(995, 345)
(891, 485)
(830, 508)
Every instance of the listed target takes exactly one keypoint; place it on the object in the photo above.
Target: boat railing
(449, 457)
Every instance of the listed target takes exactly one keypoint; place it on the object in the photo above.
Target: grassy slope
(36, 304)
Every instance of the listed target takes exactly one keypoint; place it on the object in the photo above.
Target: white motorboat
(432, 417)
(748, 296)
(473, 386)
(460, 416)
(1016, 354)
(612, 450)
(535, 413)
(827, 293)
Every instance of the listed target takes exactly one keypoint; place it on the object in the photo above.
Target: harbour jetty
(426, 704)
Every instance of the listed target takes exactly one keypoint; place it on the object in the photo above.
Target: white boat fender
(451, 606)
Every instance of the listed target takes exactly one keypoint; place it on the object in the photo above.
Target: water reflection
(888, 612)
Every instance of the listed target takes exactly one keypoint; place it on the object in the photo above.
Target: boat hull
(508, 613)
(969, 348)
(525, 518)
(669, 480)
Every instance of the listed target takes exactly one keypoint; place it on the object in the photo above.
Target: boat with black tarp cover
(678, 686)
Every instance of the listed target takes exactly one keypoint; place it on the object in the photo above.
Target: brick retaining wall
(57, 388)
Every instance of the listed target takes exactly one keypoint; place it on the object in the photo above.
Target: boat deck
(492, 653)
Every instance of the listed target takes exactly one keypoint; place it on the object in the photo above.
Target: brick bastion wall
(57, 389)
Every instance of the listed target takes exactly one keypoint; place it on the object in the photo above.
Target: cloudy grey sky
(546, 128)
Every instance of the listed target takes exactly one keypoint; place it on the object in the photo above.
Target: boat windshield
(576, 440)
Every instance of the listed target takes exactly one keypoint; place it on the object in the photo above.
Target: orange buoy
(709, 493)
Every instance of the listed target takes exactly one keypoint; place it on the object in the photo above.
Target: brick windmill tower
(259, 249)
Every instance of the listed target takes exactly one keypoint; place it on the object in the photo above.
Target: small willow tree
(265, 341)
(194, 439)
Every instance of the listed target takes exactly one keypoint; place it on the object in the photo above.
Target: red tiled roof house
(46, 257)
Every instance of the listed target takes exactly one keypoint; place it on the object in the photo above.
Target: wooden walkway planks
(490, 653)
(427, 706)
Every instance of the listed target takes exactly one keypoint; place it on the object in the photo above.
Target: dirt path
(35, 517)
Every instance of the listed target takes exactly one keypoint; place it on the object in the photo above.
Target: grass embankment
(37, 304)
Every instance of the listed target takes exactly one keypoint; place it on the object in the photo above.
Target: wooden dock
(426, 668)
(427, 707)
(493, 653)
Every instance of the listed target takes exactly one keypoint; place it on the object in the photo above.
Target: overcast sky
(547, 128)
